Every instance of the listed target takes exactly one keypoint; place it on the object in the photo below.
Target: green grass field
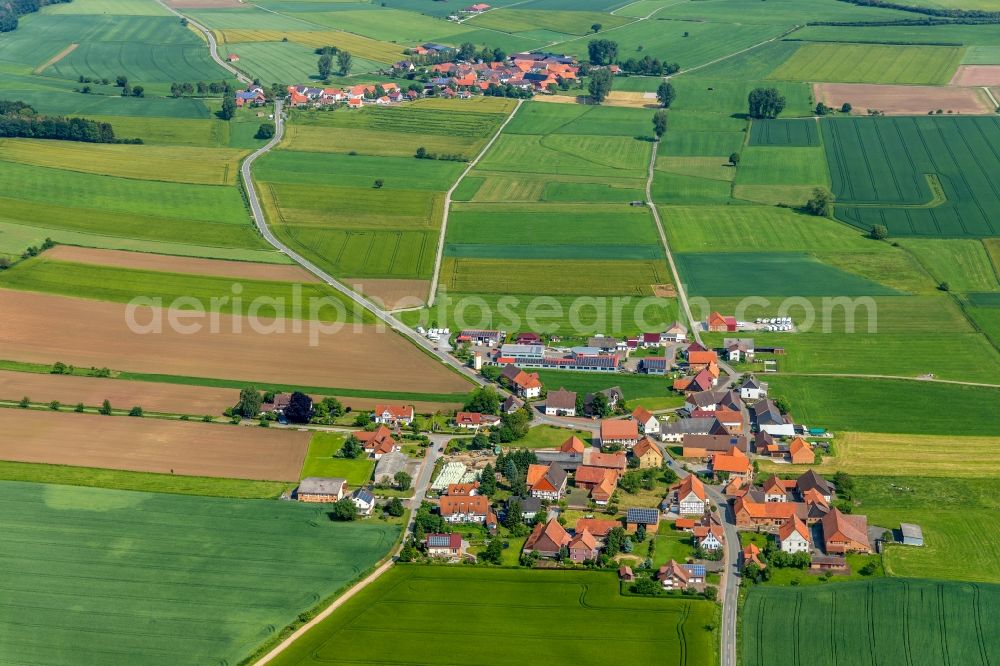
(113, 576)
(122, 285)
(784, 133)
(550, 437)
(775, 274)
(584, 277)
(963, 264)
(879, 170)
(563, 606)
(115, 479)
(878, 621)
(320, 460)
(868, 63)
(633, 386)
(901, 406)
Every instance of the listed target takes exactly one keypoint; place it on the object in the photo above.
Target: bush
(646, 586)
(135, 411)
(343, 510)
(265, 131)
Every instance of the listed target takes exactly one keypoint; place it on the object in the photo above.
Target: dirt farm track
(42, 328)
(152, 445)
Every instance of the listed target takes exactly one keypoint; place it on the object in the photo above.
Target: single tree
(250, 402)
(266, 130)
(734, 159)
(421, 153)
(325, 65)
(822, 109)
(596, 27)
(765, 103)
(299, 409)
(228, 108)
(602, 51)
(514, 515)
(665, 93)
(378, 183)
(879, 232)
(488, 481)
(24, 403)
(466, 51)
(821, 203)
(483, 400)
(493, 553)
(600, 85)
(352, 448)
(135, 411)
(344, 61)
(394, 507)
(640, 533)
(79, 408)
(403, 480)
(944, 286)
(846, 107)
(105, 408)
(139, 91)
(344, 510)
(121, 81)
(645, 585)
(660, 124)
(55, 405)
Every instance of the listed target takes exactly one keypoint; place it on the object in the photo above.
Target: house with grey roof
(321, 489)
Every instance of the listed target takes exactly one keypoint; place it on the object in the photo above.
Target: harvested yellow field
(481, 104)
(909, 455)
(176, 164)
(362, 47)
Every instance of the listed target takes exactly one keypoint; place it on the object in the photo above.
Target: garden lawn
(322, 460)
(550, 437)
(564, 607)
(111, 576)
(632, 386)
(840, 404)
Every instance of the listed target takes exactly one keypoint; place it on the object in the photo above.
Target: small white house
(752, 390)
(793, 537)
(364, 501)
(647, 421)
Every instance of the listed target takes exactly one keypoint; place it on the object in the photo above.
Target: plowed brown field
(152, 445)
(42, 328)
(902, 100)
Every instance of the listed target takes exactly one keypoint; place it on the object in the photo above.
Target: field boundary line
(72, 47)
(895, 377)
(447, 203)
(735, 53)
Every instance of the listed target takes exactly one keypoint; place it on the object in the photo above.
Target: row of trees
(181, 88)
(325, 64)
(18, 119)
(105, 409)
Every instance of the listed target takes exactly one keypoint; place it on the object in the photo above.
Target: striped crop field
(883, 621)
(919, 176)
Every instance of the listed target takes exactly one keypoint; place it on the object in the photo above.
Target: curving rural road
(213, 46)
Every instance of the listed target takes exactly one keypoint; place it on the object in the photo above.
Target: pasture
(776, 274)
(351, 356)
(553, 315)
(574, 22)
(563, 606)
(952, 512)
(321, 460)
(151, 445)
(634, 387)
(919, 176)
(870, 63)
(876, 621)
(584, 155)
(912, 407)
(961, 263)
(113, 576)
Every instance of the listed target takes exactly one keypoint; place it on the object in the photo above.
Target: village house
(703, 381)
(318, 489)
(738, 350)
(793, 536)
(364, 502)
(583, 547)
(703, 446)
(709, 534)
(393, 415)
(718, 323)
(547, 482)
(689, 497)
(625, 573)
(701, 360)
(277, 405)
(475, 420)
(752, 390)
(465, 508)
(449, 546)
(378, 442)
(561, 403)
(647, 421)
(676, 332)
(613, 396)
(800, 452)
(480, 337)
(653, 365)
(636, 516)
(547, 539)
(530, 506)
(768, 516)
(674, 576)
(599, 527)
(844, 534)
(616, 461)
(751, 555)
(766, 417)
(252, 96)
(468, 489)
(588, 477)
(619, 432)
(674, 431)
(511, 405)
(648, 453)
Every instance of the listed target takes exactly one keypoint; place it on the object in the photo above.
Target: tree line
(603, 52)
(20, 120)
(11, 10)
(181, 88)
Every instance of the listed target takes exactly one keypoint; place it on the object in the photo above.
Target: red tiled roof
(476, 504)
(613, 429)
(573, 445)
(599, 527)
(691, 484)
